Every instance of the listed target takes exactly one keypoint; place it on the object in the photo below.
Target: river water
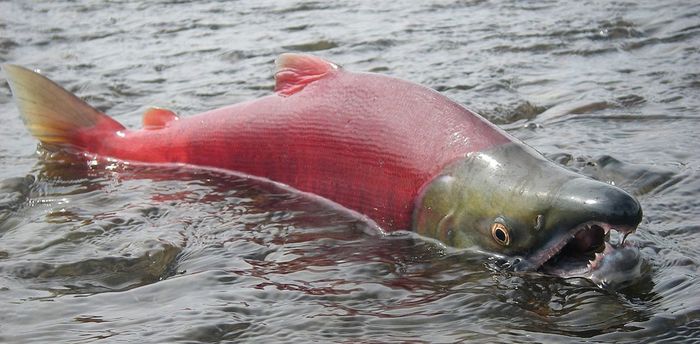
(117, 253)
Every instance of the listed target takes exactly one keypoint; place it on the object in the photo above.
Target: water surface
(123, 253)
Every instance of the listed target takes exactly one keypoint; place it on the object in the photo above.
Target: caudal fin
(53, 115)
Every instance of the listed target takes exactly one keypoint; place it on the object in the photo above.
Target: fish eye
(500, 233)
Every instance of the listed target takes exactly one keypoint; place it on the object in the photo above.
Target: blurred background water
(120, 253)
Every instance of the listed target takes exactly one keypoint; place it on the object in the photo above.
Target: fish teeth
(624, 236)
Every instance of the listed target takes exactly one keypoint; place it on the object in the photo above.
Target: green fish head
(511, 202)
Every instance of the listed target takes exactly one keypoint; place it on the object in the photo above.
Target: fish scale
(365, 141)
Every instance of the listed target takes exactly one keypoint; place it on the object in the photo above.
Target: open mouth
(583, 250)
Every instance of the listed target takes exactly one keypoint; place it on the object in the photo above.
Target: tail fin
(53, 115)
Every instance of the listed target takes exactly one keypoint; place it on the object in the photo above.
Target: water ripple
(151, 254)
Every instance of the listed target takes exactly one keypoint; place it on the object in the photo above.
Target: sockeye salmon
(402, 154)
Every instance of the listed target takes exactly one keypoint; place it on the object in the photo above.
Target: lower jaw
(615, 267)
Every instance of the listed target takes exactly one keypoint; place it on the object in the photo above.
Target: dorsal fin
(158, 118)
(295, 71)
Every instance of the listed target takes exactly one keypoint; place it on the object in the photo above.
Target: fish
(402, 155)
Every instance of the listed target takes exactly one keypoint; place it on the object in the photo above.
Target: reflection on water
(120, 252)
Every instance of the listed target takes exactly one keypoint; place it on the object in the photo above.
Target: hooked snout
(590, 200)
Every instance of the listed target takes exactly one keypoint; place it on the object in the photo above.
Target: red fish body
(399, 153)
(366, 141)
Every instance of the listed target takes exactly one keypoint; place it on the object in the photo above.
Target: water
(121, 253)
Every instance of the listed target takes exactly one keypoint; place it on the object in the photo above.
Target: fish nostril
(539, 222)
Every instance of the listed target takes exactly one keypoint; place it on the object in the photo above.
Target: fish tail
(55, 116)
